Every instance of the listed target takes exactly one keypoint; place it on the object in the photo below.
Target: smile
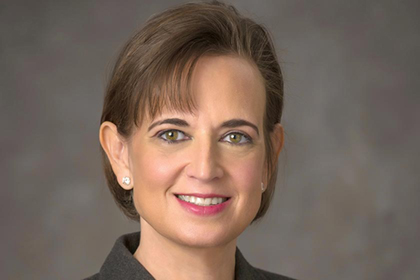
(202, 201)
(203, 204)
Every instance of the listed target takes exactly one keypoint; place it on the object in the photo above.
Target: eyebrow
(229, 124)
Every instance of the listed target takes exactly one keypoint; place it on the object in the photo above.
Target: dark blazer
(121, 264)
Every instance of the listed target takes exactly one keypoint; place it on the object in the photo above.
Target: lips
(201, 200)
(203, 204)
(203, 195)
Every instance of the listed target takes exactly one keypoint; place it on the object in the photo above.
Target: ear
(116, 149)
(277, 142)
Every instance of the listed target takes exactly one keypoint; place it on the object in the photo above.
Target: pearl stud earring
(262, 186)
(126, 180)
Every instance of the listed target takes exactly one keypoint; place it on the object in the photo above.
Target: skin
(176, 244)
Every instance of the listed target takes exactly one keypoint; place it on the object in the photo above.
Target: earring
(262, 186)
(126, 180)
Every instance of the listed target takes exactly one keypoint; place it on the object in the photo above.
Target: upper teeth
(202, 201)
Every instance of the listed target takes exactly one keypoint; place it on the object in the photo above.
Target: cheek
(247, 174)
(153, 170)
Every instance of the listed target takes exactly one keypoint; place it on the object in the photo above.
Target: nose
(204, 161)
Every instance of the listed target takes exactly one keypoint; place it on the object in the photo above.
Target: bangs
(170, 92)
(168, 87)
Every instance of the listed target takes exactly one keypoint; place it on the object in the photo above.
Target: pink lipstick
(187, 201)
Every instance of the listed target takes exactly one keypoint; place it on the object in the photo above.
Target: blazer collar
(121, 264)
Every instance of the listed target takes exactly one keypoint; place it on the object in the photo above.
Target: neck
(166, 259)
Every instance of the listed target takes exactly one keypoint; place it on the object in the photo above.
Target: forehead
(219, 87)
(229, 83)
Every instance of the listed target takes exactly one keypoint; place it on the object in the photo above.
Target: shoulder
(245, 271)
(271, 276)
(120, 263)
(93, 277)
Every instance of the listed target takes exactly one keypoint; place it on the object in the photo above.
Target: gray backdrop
(347, 204)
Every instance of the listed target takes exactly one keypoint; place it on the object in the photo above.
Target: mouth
(202, 201)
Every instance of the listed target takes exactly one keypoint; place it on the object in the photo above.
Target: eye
(237, 138)
(172, 136)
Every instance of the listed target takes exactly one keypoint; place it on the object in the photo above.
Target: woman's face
(216, 153)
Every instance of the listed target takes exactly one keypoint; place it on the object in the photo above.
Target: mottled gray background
(347, 204)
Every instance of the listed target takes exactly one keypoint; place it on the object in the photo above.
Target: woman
(191, 136)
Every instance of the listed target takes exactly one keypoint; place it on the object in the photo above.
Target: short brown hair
(153, 71)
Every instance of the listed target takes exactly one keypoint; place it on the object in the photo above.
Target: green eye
(237, 138)
(171, 135)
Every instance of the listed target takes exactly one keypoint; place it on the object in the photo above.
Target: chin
(205, 237)
(203, 241)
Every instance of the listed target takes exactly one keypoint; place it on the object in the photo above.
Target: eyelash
(159, 135)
